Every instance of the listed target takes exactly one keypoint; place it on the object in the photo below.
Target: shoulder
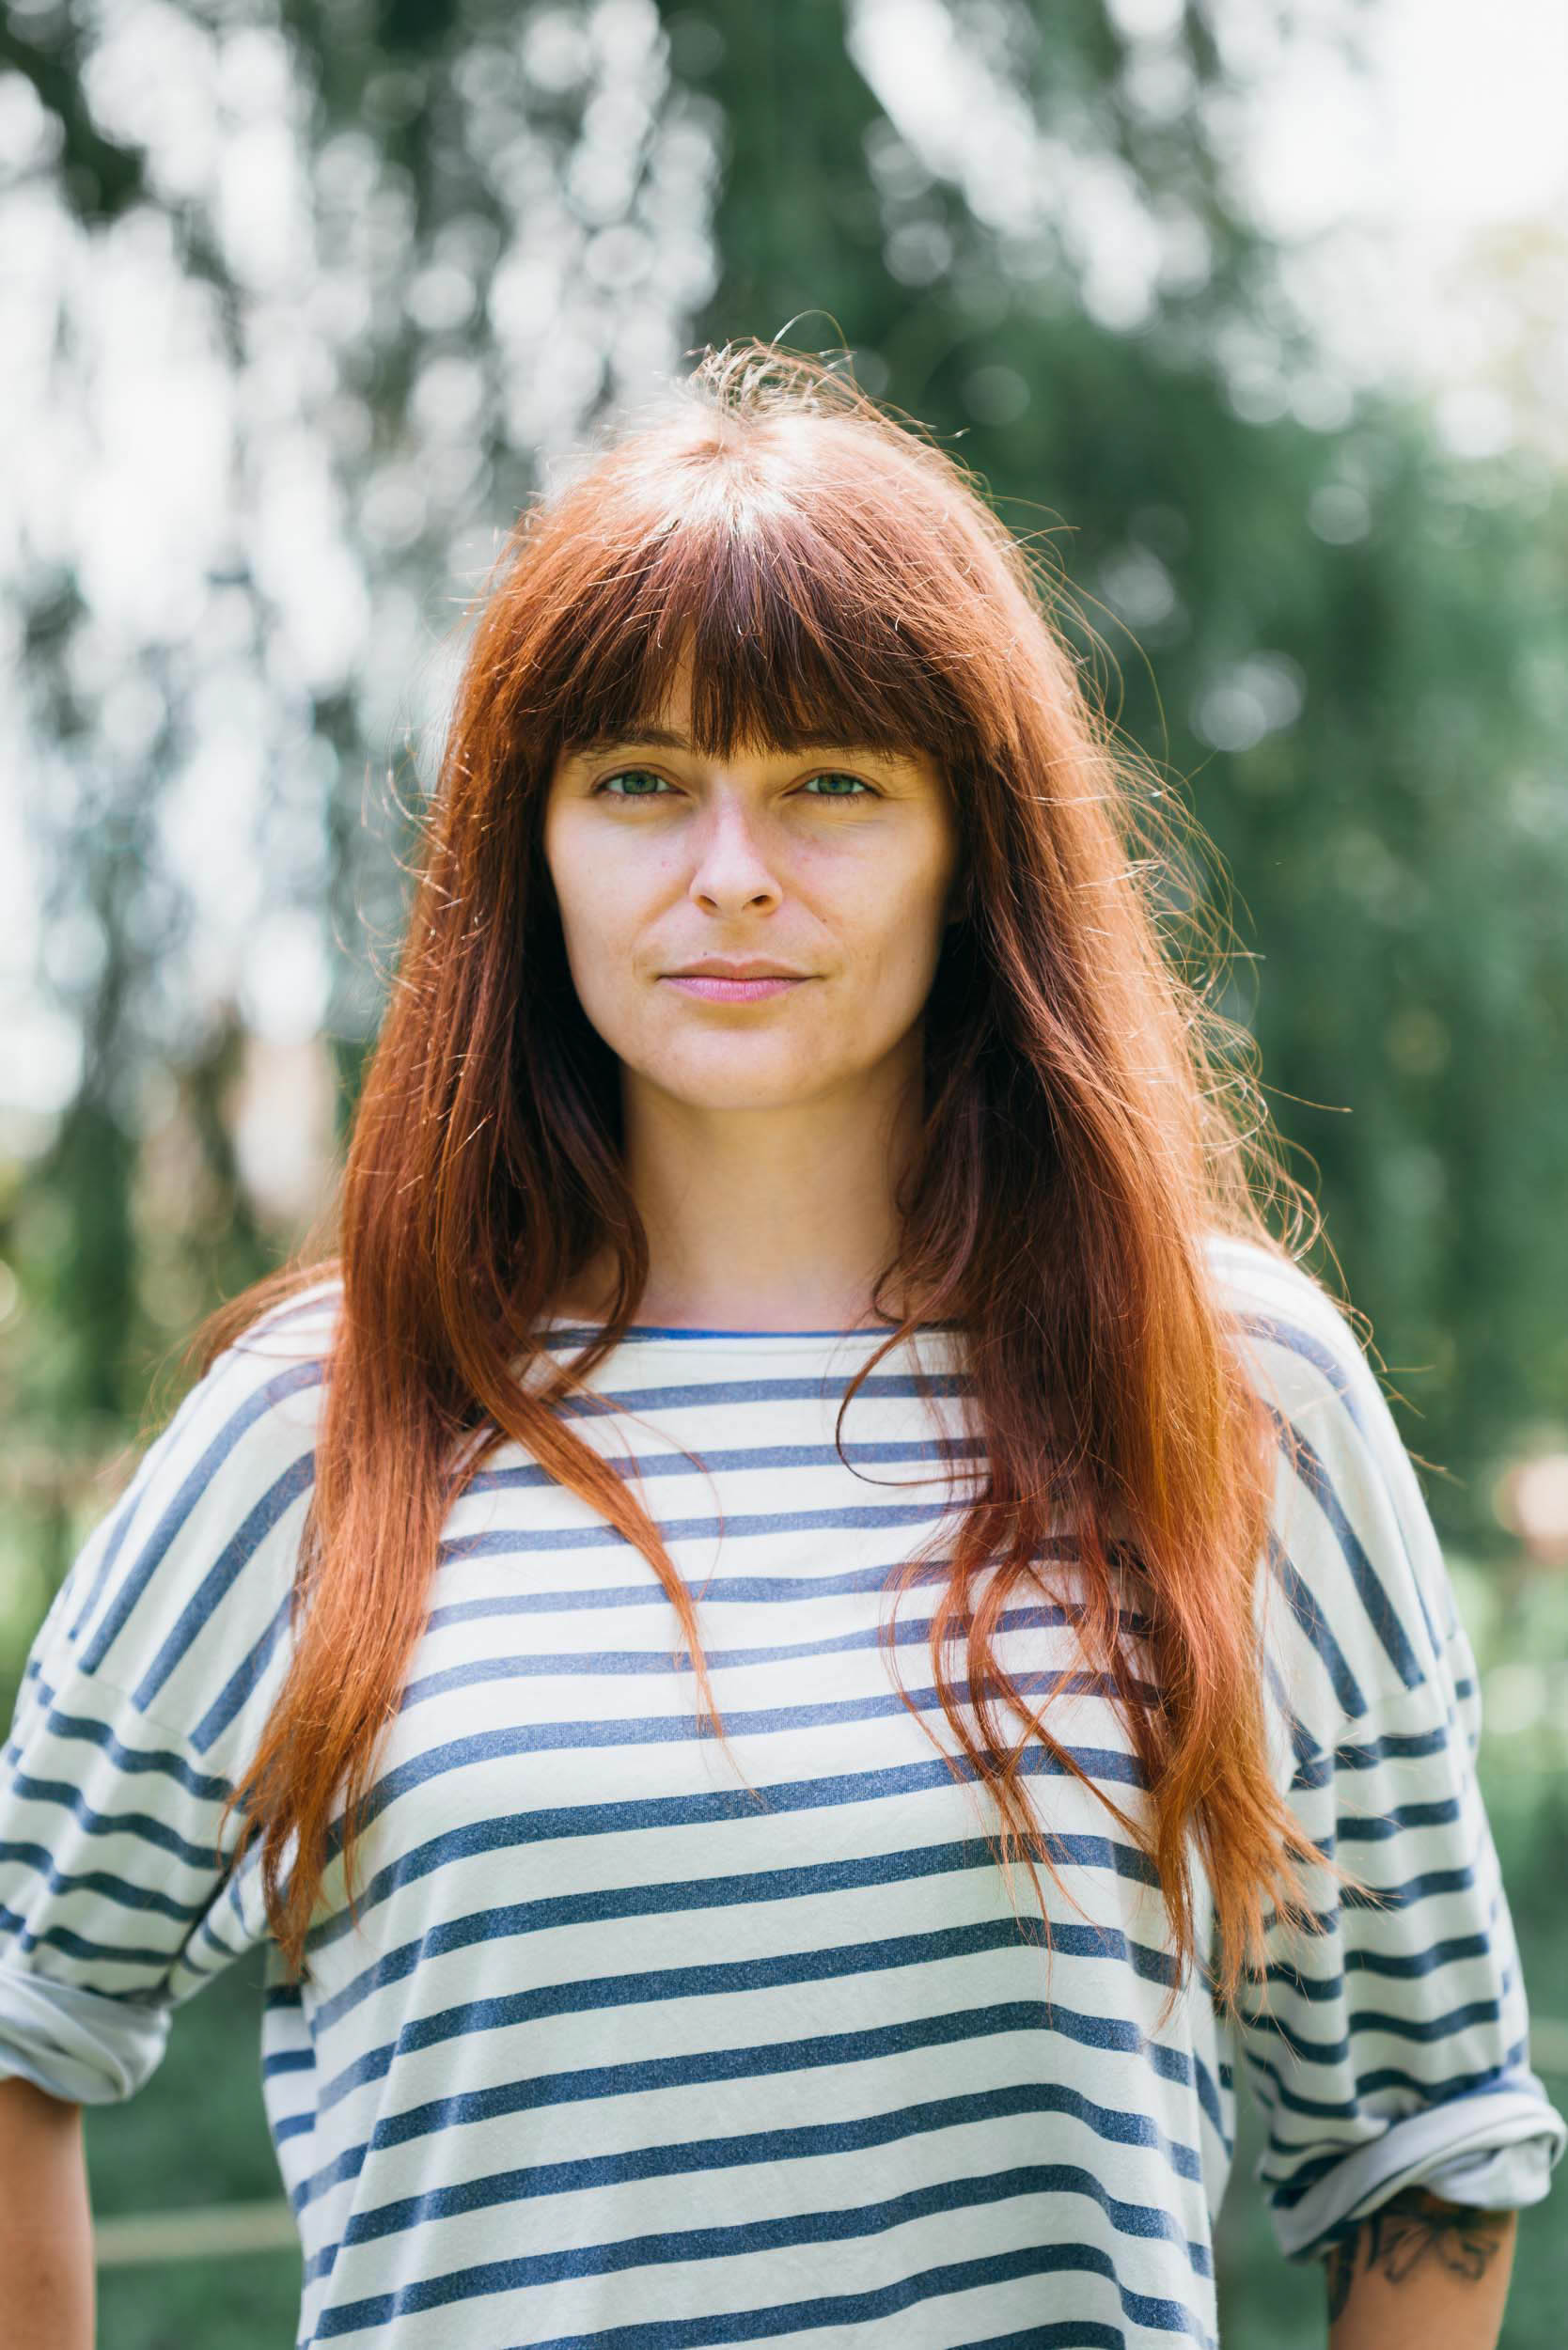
(1297, 1341)
(253, 1406)
(1353, 1542)
(195, 1561)
(270, 1378)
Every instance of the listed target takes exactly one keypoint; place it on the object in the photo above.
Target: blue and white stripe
(626, 2044)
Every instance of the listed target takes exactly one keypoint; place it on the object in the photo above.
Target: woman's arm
(1419, 2273)
(47, 2283)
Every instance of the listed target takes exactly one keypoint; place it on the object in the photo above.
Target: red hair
(1088, 1121)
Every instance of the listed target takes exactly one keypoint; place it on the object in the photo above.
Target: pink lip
(729, 991)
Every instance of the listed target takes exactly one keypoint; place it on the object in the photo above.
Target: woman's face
(839, 864)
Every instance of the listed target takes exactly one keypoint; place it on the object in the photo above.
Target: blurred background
(1256, 315)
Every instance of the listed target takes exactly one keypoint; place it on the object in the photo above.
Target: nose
(730, 870)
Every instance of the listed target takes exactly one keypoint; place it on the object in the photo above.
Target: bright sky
(1464, 124)
(1459, 136)
(1475, 103)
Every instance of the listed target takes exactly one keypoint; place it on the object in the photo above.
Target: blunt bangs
(795, 641)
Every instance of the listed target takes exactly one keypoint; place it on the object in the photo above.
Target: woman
(606, 2003)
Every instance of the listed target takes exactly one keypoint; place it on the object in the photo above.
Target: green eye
(620, 778)
(833, 775)
(829, 774)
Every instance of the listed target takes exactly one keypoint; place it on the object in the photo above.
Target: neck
(760, 1219)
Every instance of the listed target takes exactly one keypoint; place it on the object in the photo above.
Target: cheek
(600, 901)
(906, 922)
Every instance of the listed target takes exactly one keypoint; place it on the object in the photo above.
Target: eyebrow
(665, 739)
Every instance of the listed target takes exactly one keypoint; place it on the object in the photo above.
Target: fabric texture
(624, 2048)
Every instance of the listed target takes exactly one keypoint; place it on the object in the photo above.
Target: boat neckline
(560, 1328)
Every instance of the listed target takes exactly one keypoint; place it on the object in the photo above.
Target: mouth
(729, 991)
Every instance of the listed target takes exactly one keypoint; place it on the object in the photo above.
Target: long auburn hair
(1089, 1117)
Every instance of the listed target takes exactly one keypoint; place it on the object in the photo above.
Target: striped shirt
(623, 2050)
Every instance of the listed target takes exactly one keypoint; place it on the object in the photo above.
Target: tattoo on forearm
(1414, 2228)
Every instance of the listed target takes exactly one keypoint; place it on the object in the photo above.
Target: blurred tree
(493, 226)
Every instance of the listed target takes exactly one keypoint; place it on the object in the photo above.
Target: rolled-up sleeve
(147, 1682)
(1389, 2046)
(111, 1884)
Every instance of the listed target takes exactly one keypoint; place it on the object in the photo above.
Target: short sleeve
(1389, 2047)
(145, 1690)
